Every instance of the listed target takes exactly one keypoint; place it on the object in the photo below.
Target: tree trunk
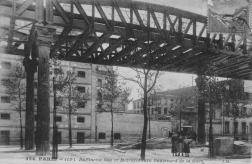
(112, 129)
(145, 121)
(180, 119)
(234, 128)
(69, 119)
(21, 127)
(211, 130)
(149, 124)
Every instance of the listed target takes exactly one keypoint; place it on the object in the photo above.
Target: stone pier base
(223, 146)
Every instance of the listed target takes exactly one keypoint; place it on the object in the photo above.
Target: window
(5, 82)
(5, 137)
(244, 128)
(165, 110)
(102, 135)
(58, 119)
(226, 127)
(57, 102)
(5, 99)
(6, 65)
(99, 106)
(141, 111)
(227, 109)
(58, 87)
(5, 116)
(235, 127)
(81, 104)
(81, 137)
(244, 110)
(99, 82)
(214, 113)
(81, 89)
(159, 110)
(117, 136)
(57, 71)
(81, 74)
(152, 111)
(134, 105)
(99, 95)
(81, 119)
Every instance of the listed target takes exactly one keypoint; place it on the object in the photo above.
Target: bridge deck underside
(129, 34)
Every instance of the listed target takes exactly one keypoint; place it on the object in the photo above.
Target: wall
(130, 126)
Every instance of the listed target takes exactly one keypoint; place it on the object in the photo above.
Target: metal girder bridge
(125, 33)
(111, 32)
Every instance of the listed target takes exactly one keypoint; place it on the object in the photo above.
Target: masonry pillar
(30, 68)
(43, 42)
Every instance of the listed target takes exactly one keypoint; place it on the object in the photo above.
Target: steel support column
(30, 68)
(43, 42)
(200, 82)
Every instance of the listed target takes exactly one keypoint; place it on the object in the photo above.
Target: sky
(195, 6)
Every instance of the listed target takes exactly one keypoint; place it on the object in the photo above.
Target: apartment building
(88, 78)
(159, 105)
(222, 124)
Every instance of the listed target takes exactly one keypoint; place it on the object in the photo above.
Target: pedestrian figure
(174, 141)
(170, 134)
(187, 147)
(194, 137)
(180, 145)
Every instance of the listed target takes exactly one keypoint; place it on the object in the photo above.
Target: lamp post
(55, 128)
(149, 104)
(180, 120)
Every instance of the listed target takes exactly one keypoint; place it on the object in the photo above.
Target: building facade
(88, 78)
(187, 114)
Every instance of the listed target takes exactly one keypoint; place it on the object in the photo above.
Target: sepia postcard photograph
(125, 81)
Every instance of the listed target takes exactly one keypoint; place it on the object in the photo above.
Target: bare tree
(152, 100)
(70, 98)
(114, 96)
(211, 89)
(146, 79)
(16, 89)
